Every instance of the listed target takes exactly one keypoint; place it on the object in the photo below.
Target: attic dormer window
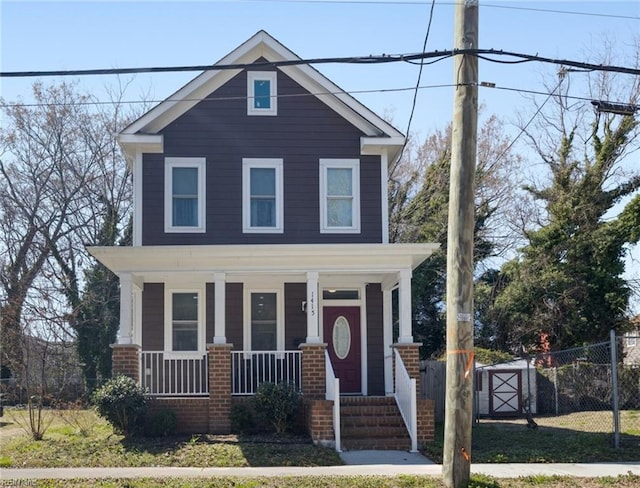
(262, 93)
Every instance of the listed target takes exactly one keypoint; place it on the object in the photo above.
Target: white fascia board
(377, 145)
(338, 258)
(132, 144)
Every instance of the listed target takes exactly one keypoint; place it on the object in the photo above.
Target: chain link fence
(594, 388)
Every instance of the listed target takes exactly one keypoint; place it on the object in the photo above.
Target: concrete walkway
(381, 463)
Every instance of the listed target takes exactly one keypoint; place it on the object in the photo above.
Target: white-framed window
(632, 338)
(339, 195)
(262, 195)
(184, 320)
(264, 322)
(184, 194)
(262, 93)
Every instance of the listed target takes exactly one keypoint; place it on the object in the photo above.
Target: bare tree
(61, 175)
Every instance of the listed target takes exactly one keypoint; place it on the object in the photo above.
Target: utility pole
(460, 359)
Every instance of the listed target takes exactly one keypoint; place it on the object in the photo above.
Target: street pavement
(380, 463)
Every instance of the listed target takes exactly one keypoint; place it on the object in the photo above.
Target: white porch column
(125, 332)
(387, 340)
(313, 330)
(220, 281)
(137, 288)
(404, 302)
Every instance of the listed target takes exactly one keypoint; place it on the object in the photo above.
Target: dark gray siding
(294, 318)
(234, 315)
(153, 317)
(375, 346)
(219, 129)
(210, 313)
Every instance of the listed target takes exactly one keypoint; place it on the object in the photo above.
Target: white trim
(272, 163)
(220, 308)
(340, 259)
(364, 362)
(137, 313)
(387, 340)
(354, 166)
(137, 199)
(280, 318)
(200, 291)
(200, 164)
(125, 328)
(272, 78)
(360, 303)
(384, 195)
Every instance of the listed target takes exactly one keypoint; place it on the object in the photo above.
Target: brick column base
(126, 360)
(314, 383)
(426, 420)
(319, 416)
(219, 356)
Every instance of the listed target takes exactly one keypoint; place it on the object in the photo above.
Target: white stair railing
(333, 393)
(405, 395)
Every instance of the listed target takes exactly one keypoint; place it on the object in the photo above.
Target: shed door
(342, 334)
(505, 392)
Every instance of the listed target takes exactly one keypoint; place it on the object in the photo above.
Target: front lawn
(583, 437)
(65, 446)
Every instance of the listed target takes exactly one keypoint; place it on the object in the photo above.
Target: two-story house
(261, 250)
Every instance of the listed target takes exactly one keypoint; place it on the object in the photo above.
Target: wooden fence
(432, 384)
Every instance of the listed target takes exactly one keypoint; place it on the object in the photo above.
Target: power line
(415, 93)
(350, 92)
(418, 2)
(523, 129)
(371, 59)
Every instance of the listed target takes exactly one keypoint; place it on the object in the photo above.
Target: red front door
(342, 334)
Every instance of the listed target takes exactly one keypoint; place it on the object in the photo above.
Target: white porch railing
(168, 373)
(333, 393)
(249, 369)
(405, 395)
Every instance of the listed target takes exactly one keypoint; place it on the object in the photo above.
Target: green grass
(628, 481)
(65, 446)
(577, 438)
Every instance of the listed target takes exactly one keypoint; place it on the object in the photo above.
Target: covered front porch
(213, 322)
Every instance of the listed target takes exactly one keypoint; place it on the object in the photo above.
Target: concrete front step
(372, 423)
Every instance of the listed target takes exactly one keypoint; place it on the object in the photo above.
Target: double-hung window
(263, 328)
(262, 195)
(185, 329)
(339, 195)
(262, 93)
(184, 208)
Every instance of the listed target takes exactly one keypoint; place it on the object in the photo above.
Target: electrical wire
(415, 93)
(561, 74)
(418, 2)
(383, 58)
(351, 92)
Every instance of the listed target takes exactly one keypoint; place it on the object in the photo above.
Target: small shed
(505, 389)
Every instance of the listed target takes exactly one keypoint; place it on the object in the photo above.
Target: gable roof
(379, 134)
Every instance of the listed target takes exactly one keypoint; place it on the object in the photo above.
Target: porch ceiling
(293, 258)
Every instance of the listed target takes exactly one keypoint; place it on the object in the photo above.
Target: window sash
(184, 321)
(262, 195)
(339, 195)
(264, 321)
(185, 194)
